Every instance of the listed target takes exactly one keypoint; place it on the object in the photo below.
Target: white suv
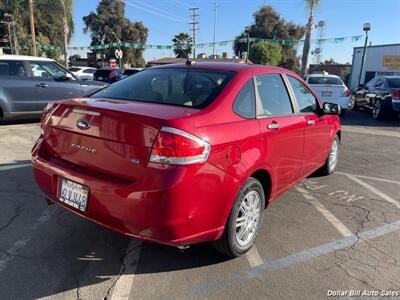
(330, 88)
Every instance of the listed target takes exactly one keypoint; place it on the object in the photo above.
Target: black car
(107, 75)
(381, 95)
(131, 71)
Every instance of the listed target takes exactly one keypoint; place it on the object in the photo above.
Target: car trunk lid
(110, 136)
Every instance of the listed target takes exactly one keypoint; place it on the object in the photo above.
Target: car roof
(389, 77)
(23, 57)
(323, 75)
(223, 66)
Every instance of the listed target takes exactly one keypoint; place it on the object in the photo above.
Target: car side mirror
(330, 109)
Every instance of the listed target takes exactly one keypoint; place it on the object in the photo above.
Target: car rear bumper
(396, 105)
(169, 204)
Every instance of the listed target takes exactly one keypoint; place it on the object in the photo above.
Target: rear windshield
(394, 82)
(181, 87)
(325, 80)
(103, 73)
(130, 72)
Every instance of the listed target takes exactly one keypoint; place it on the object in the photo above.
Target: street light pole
(247, 30)
(366, 28)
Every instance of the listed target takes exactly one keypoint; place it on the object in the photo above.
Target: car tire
(353, 103)
(378, 110)
(242, 228)
(332, 160)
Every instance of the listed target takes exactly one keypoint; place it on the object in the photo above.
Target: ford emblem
(82, 124)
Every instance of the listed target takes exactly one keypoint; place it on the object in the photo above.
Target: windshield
(325, 80)
(73, 69)
(182, 87)
(394, 82)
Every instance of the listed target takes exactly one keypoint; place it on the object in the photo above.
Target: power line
(161, 11)
(194, 29)
(154, 12)
(179, 3)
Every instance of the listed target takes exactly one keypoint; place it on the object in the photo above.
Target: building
(175, 60)
(379, 60)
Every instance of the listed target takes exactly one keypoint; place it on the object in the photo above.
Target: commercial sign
(392, 61)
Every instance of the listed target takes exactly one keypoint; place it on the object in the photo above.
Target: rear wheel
(377, 110)
(331, 162)
(244, 221)
(1, 115)
(353, 103)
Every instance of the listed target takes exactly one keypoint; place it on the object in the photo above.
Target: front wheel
(377, 110)
(244, 221)
(353, 103)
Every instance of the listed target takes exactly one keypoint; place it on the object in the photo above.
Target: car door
(316, 126)
(282, 131)
(17, 90)
(52, 83)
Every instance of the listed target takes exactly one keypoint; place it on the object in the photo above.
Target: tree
(266, 53)
(268, 24)
(311, 6)
(109, 24)
(182, 40)
(330, 61)
(48, 15)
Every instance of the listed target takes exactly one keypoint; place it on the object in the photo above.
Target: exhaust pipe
(183, 248)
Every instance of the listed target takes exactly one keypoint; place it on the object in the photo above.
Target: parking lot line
(376, 191)
(295, 258)
(253, 257)
(371, 131)
(326, 213)
(123, 284)
(8, 167)
(367, 177)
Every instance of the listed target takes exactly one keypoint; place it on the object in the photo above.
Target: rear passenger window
(273, 95)
(12, 68)
(305, 99)
(245, 101)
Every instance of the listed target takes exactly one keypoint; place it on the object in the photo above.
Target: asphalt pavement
(325, 236)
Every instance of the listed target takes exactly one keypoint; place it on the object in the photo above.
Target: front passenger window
(305, 99)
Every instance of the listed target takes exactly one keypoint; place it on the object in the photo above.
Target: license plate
(326, 94)
(74, 194)
(100, 78)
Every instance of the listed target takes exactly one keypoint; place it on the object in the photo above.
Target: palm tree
(311, 6)
(182, 44)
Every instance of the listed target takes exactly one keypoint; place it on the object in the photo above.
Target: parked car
(330, 88)
(381, 95)
(28, 83)
(131, 71)
(107, 75)
(83, 73)
(183, 154)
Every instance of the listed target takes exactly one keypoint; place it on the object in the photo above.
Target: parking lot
(327, 234)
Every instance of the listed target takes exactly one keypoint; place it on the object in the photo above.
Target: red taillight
(112, 74)
(395, 95)
(347, 93)
(174, 146)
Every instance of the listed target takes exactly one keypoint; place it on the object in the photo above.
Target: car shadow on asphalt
(20, 121)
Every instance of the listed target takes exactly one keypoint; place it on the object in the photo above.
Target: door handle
(274, 126)
(42, 85)
(311, 122)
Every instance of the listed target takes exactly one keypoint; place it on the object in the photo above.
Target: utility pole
(194, 24)
(65, 30)
(32, 28)
(215, 24)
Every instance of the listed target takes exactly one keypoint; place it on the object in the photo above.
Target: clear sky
(165, 18)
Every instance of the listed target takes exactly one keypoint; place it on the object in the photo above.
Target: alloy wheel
(333, 155)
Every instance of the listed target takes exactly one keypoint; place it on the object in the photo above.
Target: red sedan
(183, 154)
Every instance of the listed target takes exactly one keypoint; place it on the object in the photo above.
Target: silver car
(28, 83)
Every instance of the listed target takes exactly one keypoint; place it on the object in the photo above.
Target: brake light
(44, 115)
(395, 94)
(112, 74)
(346, 93)
(177, 147)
